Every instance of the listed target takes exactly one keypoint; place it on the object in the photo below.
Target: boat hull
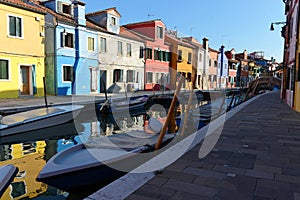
(133, 104)
(79, 168)
(7, 174)
(39, 123)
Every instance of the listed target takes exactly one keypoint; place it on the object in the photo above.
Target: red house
(157, 53)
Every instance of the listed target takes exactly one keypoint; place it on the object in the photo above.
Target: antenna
(150, 15)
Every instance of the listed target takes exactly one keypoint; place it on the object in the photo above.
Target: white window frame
(159, 32)
(62, 77)
(64, 35)
(60, 5)
(93, 39)
(120, 48)
(103, 49)
(22, 26)
(9, 72)
(129, 49)
(113, 20)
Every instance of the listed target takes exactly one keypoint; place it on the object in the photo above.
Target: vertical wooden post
(45, 92)
(171, 109)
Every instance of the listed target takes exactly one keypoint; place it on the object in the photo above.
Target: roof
(103, 11)
(144, 22)
(23, 5)
(210, 49)
(124, 32)
(144, 37)
(58, 16)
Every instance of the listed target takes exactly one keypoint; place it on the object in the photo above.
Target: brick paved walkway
(256, 157)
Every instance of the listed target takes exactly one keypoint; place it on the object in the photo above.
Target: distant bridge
(262, 84)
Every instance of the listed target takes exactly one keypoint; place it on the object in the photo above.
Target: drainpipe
(55, 56)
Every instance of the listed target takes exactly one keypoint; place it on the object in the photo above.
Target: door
(25, 84)
(94, 79)
(102, 81)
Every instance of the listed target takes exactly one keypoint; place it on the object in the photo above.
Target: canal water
(29, 151)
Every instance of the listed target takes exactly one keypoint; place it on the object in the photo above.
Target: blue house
(71, 49)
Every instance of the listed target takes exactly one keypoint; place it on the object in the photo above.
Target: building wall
(212, 70)
(184, 67)
(111, 61)
(27, 50)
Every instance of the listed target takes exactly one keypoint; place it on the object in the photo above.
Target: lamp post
(276, 23)
(284, 73)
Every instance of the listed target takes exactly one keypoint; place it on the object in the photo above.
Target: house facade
(290, 80)
(71, 49)
(222, 72)
(185, 61)
(212, 78)
(232, 67)
(157, 53)
(120, 54)
(22, 49)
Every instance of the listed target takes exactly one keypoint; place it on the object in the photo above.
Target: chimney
(79, 12)
(205, 43)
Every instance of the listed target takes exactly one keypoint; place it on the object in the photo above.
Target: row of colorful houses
(89, 53)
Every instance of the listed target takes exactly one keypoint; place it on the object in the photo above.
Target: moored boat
(7, 175)
(123, 105)
(38, 118)
(98, 161)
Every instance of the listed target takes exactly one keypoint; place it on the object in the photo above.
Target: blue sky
(236, 24)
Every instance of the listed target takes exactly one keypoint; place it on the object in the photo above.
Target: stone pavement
(256, 157)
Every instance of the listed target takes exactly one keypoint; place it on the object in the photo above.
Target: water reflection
(30, 151)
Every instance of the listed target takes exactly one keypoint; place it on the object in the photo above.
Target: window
(157, 77)
(120, 48)
(91, 46)
(200, 57)
(118, 75)
(102, 45)
(141, 52)
(189, 58)
(4, 70)
(68, 40)
(15, 26)
(209, 62)
(149, 53)
(216, 63)
(189, 77)
(149, 77)
(68, 73)
(164, 56)
(128, 50)
(157, 55)
(159, 32)
(130, 76)
(65, 8)
(113, 21)
(179, 56)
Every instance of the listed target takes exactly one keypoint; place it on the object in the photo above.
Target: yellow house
(185, 62)
(22, 49)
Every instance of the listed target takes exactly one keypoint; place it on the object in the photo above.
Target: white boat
(38, 118)
(7, 175)
(99, 161)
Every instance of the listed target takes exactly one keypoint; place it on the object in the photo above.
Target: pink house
(157, 53)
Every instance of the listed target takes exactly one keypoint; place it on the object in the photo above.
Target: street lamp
(276, 23)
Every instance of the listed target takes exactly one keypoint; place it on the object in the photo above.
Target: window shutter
(62, 39)
(59, 6)
(72, 10)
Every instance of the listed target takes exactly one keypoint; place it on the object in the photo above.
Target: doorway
(103, 80)
(25, 80)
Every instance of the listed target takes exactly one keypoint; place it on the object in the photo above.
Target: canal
(29, 151)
